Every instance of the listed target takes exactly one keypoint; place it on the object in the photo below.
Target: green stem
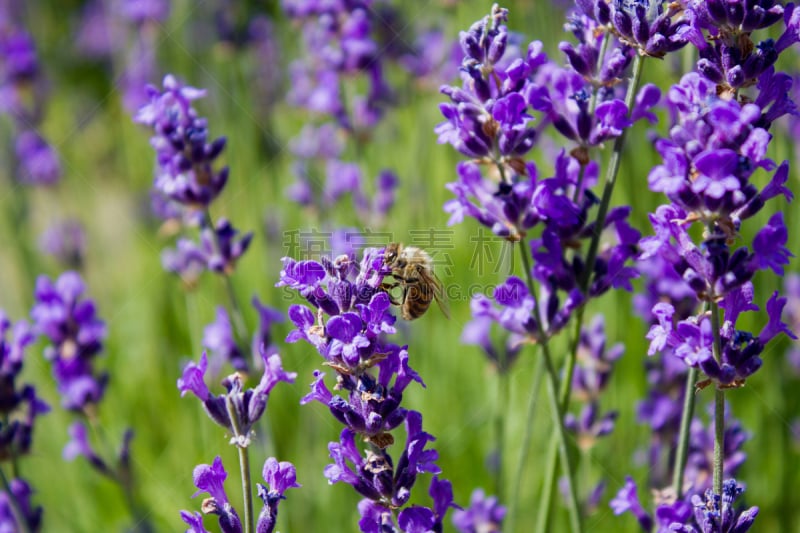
(719, 406)
(536, 384)
(194, 321)
(240, 330)
(558, 413)
(569, 364)
(546, 498)
(244, 465)
(16, 510)
(613, 170)
(683, 436)
(500, 427)
(561, 436)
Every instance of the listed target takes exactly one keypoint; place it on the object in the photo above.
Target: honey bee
(412, 268)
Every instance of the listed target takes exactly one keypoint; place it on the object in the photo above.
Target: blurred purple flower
(247, 405)
(185, 157)
(76, 336)
(280, 477)
(15, 505)
(65, 240)
(210, 479)
(484, 514)
(38, 162)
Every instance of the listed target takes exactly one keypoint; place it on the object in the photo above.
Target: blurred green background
(155, 326)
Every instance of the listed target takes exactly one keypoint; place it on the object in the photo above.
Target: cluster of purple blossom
(349, 319)
(74, 338)
(237, 411)
(718, 139)
(19, 406)
(188, 180)
(22, 97)
(344, 43)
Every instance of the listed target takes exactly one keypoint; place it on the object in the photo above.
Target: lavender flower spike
(247, 405)
(185, 157)
(210, 479)
(484, 514)
(280, 477)
(76, 336)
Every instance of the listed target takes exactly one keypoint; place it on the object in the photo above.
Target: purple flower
(715, 146)
(769, 245)
(627, 500)
(219, 250)
(75, 335)
(721, 30)
(646, 25)
(219, 338)
(38, 161)
(484, 514)
(246, 405)
(79, 445)
(185, 157)
(717, 514)
(66, 241)
(210, 479)
(15, 505)
(280, 477)
(142, 11)
(195, 522)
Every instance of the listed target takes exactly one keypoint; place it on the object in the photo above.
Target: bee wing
(438, 291)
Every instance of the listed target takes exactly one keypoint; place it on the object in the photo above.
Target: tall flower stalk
(348, 322)
(19, 408)
(186, 184)
(75, 336)
(237, 411)
(491, 122)
(718, 140)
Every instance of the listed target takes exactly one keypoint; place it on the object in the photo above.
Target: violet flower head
(376, 477)
(247, 405)
(185, 156)
(484, 514)
(627, 500)
(218, 337)
(210, 479)
(79, 445)
(38, 161)
(488, 117)
(141, 11)
(16, 506)
(721, 30)
(19, 403)
(648, 26)
(194, 521)
(218, 251)
(714, 148)
(692, 339)
(76, 335)
(66, 242)
(717, 514)
(371, 376)
(19, 74)
(279, 477)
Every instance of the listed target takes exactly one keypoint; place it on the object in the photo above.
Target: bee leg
(387, 288)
